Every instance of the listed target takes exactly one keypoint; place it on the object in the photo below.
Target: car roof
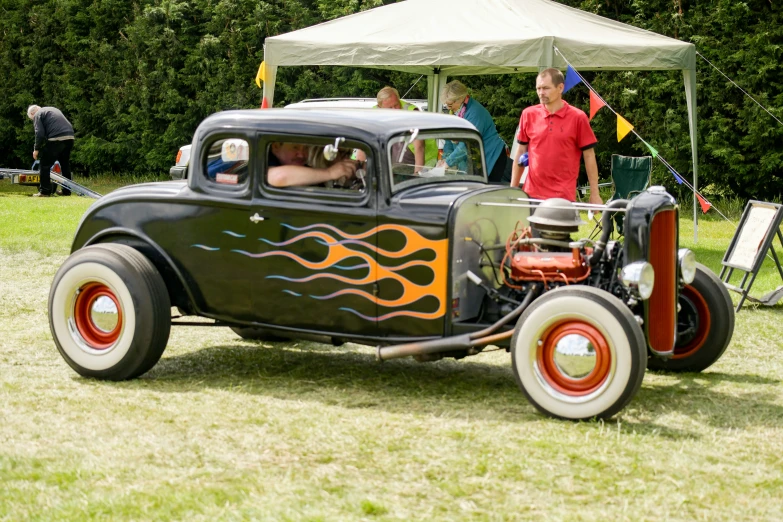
(348, 103)
(359, 123)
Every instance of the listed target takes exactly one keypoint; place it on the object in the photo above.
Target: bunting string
(740, 88)
(624, 127)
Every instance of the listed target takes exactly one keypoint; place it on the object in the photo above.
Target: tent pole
(435, 83)
(432, 91)
(269, 84)
(689, 76)
(441, 79)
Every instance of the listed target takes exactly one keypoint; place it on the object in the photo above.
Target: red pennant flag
(264, 103)
(705, 205)
(595, 104)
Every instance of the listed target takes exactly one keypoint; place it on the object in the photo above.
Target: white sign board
(751, 236)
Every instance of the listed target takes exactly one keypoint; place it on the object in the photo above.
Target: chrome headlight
(687, 265)
(639, 278)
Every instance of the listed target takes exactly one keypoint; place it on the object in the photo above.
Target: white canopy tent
(442, 38)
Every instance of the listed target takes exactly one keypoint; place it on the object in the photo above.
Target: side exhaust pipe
(457, 342)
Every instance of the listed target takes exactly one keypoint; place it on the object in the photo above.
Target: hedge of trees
(137, 77)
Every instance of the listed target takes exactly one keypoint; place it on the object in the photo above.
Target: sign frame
(748, 243)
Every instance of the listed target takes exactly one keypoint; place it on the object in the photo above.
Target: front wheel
(578, 353)
(705, 324)
(109, 312)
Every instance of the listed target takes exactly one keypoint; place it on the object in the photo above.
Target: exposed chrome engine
(548, 254)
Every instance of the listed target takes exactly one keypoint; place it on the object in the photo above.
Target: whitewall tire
(578, 353)
(109, 312)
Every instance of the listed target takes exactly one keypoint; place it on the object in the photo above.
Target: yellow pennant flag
(261, 75)
(623, 128)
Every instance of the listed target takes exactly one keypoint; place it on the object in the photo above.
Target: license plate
(27, 179)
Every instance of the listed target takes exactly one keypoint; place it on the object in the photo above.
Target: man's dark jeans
(55, 151)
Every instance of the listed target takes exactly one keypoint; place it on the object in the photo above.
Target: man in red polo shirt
(555, 135)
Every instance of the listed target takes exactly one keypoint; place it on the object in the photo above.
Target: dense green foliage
(135, 78)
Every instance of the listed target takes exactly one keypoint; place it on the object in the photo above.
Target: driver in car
(287, 167)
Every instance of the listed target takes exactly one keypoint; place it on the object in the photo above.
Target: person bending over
(456, 98)
(54, 140)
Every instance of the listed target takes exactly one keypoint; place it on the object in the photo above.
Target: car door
(316, 249)
(209, 231)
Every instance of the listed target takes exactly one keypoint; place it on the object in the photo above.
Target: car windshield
(434, 156)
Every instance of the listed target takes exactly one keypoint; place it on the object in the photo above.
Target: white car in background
(180, 168)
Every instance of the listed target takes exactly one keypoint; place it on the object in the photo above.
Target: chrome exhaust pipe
(465, 342)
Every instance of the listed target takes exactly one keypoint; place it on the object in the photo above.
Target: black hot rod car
(421, 261)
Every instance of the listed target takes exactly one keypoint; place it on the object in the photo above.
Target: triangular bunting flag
(571, 79)
(677, 177)
(623, 128)
(264, 103)
(705, 205)
(595, 104)
(654, 153)
(261, 74)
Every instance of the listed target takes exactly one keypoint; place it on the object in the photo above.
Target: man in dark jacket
(54, 140)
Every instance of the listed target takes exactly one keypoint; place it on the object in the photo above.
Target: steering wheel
(357, 181)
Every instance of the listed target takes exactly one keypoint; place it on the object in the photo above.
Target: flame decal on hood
(339, 246)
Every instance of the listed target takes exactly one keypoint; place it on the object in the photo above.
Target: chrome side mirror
(330, 151)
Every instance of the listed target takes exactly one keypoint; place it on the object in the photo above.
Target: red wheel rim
(705, 321)
(94, 336)
(555, 377)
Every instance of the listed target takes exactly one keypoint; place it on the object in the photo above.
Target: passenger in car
(288, 167)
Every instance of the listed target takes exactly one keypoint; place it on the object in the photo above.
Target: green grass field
(224, 429)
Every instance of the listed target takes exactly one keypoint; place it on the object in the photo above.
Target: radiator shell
(652, 235)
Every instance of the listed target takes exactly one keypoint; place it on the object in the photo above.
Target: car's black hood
(165, 189)
(432, 202)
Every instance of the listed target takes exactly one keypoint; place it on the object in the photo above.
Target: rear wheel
(705, 324)
(578, 353)
(109, 312)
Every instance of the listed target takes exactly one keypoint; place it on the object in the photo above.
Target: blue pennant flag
(677, 177)
(571, 79)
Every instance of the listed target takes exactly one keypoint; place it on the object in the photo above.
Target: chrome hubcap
(104, 314)
(575, 356)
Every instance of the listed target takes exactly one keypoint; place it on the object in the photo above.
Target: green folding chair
(630, 177)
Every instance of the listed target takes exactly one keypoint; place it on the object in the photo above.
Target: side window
(312, 166)
(225, 162)
(459, 156)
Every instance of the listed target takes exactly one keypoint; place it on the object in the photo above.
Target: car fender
(182, 294)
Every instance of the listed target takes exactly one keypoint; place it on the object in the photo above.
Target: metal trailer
(32, 178)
